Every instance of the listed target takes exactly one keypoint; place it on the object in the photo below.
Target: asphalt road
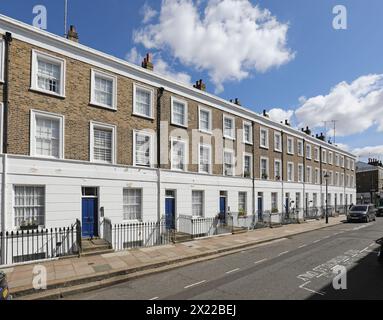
(297, 267)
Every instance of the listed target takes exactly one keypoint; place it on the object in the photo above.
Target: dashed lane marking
(155, 298)
(282, 253)
(231, 271)
(260, 261)
(194, 284)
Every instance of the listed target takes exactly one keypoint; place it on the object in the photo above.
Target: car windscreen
(359, 208)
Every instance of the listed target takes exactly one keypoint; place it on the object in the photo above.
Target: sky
(282, 56)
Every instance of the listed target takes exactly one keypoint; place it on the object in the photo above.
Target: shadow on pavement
(364, 282)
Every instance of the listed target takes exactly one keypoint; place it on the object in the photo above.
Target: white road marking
(282, 253)
(303, 286)
(326, 237)
(316, 241)
(155, 298)
(302, 246)
(260, 261)
(231, 271)
(194, 284)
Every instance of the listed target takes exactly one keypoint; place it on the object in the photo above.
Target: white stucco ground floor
(54, 193)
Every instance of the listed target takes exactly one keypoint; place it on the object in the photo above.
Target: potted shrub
(265, 176)
(274, 210)
(29, 225)
(247, 174)
(241, 213)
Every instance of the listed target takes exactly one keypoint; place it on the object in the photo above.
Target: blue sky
(320, 57)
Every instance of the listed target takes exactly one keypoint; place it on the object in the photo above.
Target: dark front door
(89, 217)
(222, 209)
(170, 212)
(260, 208)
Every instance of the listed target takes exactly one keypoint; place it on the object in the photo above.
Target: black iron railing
(140, 234)
(32, 245)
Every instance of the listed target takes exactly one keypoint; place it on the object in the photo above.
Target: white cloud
(160, 66)
(357, 106)
(133, 56)
(148, 13)
(279, 115)
(369, 152)
(229, 39)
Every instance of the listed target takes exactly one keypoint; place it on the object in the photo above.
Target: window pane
(179, 159)
(179, 113)
(229, 127)
(205, 120)
(47, 137)
(228, 164)
(132, 204)
(197, 203)
(29, 208)
(143, 102)
(143, 146)
(102, 145)
(242, 205)
(103, 91)
(204, 159)
(48, 76)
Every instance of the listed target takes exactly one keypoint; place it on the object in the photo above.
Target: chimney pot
(72, 34)
(200, 85)
(147, 62)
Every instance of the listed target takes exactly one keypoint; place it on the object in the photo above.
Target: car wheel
(367, 220)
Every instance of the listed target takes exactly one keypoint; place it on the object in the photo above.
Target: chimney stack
(307, 131)
(287, 123)
(237, 102)
(147, 62)
(72, 34)
(265, 114)
(200, 85)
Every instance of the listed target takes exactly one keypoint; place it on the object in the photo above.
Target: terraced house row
(87, 135)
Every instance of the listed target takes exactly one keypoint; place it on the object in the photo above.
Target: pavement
(78, 275)
(298, 267)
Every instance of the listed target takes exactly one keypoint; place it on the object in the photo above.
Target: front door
(89, 212)
(170, 210)
(260, 207)
(222, 208)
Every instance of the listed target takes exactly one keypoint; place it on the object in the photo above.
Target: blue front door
(260, 208)
(89, 217)
(170, 205)
(222, 209)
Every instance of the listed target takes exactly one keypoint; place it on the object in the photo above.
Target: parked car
(4, 291)
(362, 212)
(380, 211)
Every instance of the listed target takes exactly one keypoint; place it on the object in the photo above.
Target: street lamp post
(326, 177)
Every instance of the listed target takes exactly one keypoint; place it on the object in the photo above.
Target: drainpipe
(304, 179)
(160, 94)
(253, 170)
(7, 42)
(283, 172)
(321, 175)
(3, 207)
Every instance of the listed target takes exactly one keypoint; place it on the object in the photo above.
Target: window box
(28, 227)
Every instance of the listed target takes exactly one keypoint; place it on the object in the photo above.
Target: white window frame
(32, 136)
(280, 142)
(267, 137)
(186, 144)
(291, 152)
(14, 226)
(47, 57)
(246, 154)
(203, 203)
(103, 126)
(267, 168)
(246, 202)
(324, 156)
(317, 176)
(309, 154)
(2, 60)
(186, 118)
(292, 171)
(337, 159)
(301, 150)
(250, 125)
(208, 110)
(309, 175)
(280, 169)
(342, 161)
(106, 76)
(142, 202)
(208, 146)
(223, 126)
(316, 154)
(300, 179)
(330, 158)
(151, 156)
(233, 162)
(147, 89)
